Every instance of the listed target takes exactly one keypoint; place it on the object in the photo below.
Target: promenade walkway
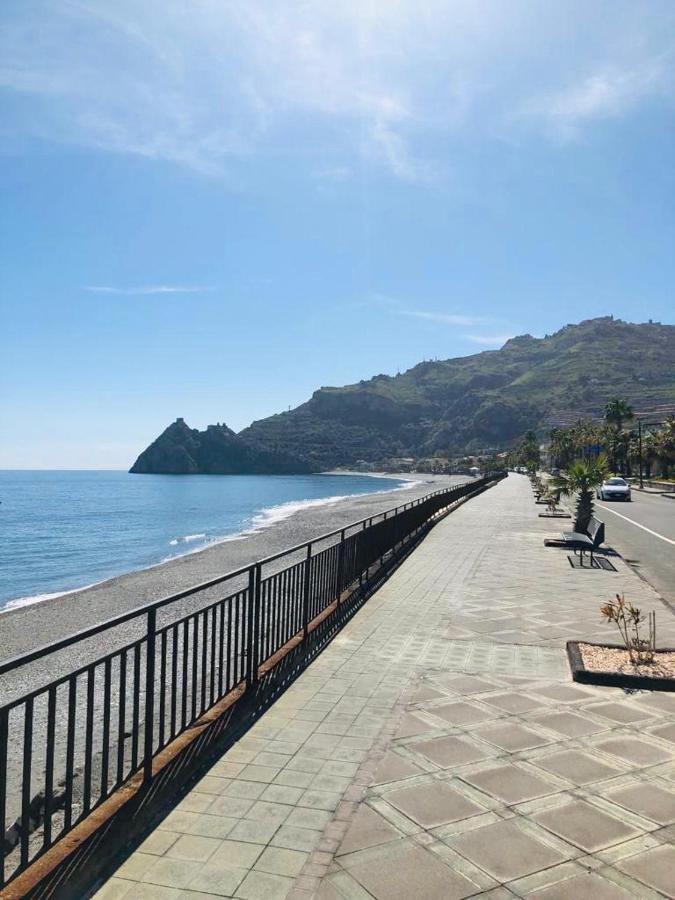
(438, 747)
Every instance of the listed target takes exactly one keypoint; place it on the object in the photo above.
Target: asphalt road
(643, 532)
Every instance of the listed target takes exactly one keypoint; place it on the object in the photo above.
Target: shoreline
(27, 626)
(267, 517)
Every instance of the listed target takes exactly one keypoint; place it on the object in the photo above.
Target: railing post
(149, 695)
(253, 624)
(4, 731)
(362, 541)
(305, 593)
(340, 564)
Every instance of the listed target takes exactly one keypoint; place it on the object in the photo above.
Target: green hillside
(472, 402)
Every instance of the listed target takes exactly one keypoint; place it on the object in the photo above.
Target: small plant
(628, 619)
(580, 479)
(552, 502)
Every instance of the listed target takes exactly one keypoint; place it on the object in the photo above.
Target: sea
(64, 530)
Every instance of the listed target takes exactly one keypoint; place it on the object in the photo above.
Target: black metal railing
(67, 745)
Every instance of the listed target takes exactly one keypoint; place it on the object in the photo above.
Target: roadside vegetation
(580, 480)
(617, 437)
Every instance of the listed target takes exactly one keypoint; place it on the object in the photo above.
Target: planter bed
(615, 669)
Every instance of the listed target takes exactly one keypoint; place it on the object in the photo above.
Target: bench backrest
(596, 531)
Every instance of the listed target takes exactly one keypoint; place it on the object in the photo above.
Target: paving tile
(279, 793)
(113, 889)
(461, 713)
(394, 768)
(620, 712)
(648, 800)
(238, 854)
(658, 700)
(449, 751)
(136, 865)
(245, 790)
(510, 784)
(570, 724)
(158, 842)
(176, 873)
(233, 807)
(302, 817)
(513, 702)
(262, 811)
(327, 782)
(226, 769)
(367, 829)
(258, 773)
(211, 784)
(512, 737)
(655, 868)
(178, 820)
(217, 878)
(294, 838)
(413, 872)
(634, 751)
(253, 832)
(585, 825)
(194, 802)
(505, 850)
(433, 804)
(590, 886)
(665, 732)
(563, 693)
(426, 692)
(291, 778)
(338, 767)
(411, 725)
(206, 825)
(576, 766)
(319, 799)
(466, 684)
(152, 892)
(263, 886)
(278, 861)
(192, 846)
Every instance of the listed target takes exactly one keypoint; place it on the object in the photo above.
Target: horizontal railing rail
(77, 739)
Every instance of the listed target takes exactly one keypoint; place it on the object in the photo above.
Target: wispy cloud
(144, 290)
(441, 318)
(384, 84)
(606, 93)
(488, 340)
(396, 307)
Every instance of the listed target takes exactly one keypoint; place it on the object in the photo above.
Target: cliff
(181, 450)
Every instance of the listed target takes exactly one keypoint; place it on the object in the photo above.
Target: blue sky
(211, 209)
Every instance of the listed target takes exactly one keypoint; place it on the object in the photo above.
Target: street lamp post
(640, 450)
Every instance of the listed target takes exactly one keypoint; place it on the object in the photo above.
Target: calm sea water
(64, 530)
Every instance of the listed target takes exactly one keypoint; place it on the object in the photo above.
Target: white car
(614, 489)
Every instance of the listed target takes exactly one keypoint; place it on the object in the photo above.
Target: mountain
(181, 450)
(452, 406)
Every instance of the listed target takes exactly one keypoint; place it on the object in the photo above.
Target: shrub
(628, 619)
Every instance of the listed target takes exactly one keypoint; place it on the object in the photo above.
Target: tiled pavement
(438, 748)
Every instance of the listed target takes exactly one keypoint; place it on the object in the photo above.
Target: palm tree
(664, 446)
(617, 412)
(581, 478)
(649, 453)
